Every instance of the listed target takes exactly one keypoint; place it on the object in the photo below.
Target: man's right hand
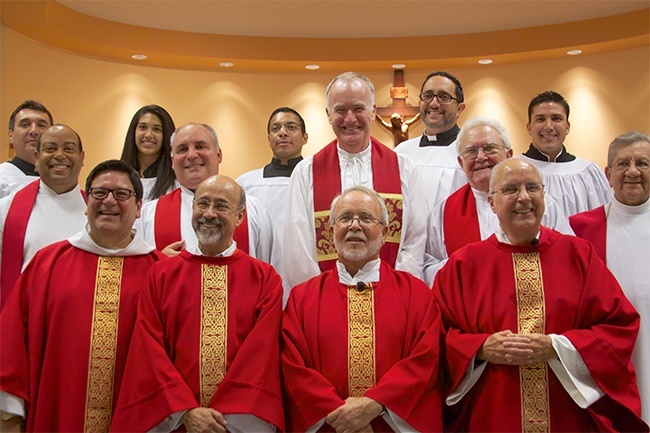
(204, 420)
(507, 348)
(173, 249)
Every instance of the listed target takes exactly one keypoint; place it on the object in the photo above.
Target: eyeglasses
(513, 190)
(472, 152)
(640, 164)
(364, 220)
(289, 127)
(119, 194)
(219, 207)
(443, 97)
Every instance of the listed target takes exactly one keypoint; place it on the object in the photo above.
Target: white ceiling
(349, 19)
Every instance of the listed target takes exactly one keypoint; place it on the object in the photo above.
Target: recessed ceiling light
(398, 66)
(139, 56)
(574, 52)
(312, 67)
(485, 61)
(226, 64)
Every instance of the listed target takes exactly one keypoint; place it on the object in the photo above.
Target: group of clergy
(437, 286)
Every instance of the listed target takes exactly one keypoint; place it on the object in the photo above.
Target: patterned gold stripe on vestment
(531, 317)
(103, 344)
(214, 328)
(361, 340)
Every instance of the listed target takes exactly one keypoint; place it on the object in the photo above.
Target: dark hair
(285, 110)
(30, 105)
(119, 166)
(81, 146)
(548, 96)
(165, 176)
(459, 87)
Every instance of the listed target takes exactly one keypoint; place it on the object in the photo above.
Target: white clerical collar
(369, 273)
(136, 247)
(617, 206)
(225, 253)
(556, 156)
(347, 155)
(50, 192)
(478, 194)
(501, 235)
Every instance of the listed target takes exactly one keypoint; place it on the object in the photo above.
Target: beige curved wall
(609, 94)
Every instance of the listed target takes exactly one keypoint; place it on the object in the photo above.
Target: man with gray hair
(354, 158)
(465, 216)
(166, 222)
(361, 341)
(620, 232)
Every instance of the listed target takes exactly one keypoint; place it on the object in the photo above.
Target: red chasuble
(592, 225)
(561, 288)
(65, 332)
(327, 185)
(460, 220)
(206, 335)
(400, 368)
(167, 223)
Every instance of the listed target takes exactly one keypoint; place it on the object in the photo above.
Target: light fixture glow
(312, 67)
(398, 66)
(574, 52)
(226, 64)
(485, 61)
(139, 56)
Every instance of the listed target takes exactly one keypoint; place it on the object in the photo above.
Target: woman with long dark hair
(147, 148)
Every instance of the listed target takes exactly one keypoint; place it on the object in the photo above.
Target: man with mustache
(535, 322)
(166, 222)
(45, 211)
(465, 216)
(361, 342)
(578, 185)
(441, 102)
(205, 350)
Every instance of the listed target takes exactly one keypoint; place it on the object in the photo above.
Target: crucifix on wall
(400, 116)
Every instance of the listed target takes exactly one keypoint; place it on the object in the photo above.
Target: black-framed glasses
(443, 97)
(513, 190)
(119, 194)
(472, 151)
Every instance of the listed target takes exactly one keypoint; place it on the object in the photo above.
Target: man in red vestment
(205, 348)
(361, 342)
(66, 327)
(539, 334)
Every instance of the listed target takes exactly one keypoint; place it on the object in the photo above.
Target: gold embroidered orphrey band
(361, 340)
(531, 314)
(325, 249)
(103, 344)
(214, 329)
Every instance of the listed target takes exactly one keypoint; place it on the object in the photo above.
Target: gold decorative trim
(395, 206)
(214, 330)
(103, 344)
(325, 249)
(361, 340)
(531, 318)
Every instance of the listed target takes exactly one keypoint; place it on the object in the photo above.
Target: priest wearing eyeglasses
(66, 327)
(539, 335)
(361, 342)
(465, 216)
(46, 210)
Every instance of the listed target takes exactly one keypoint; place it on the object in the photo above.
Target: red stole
(460, 220)
(167, 223)
(327, 184)
(13, 237)
(592, 225)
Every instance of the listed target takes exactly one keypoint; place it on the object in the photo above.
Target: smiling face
(149, 135)
(439, 117)
(629, 173)
(519, 215)
(478, 170)
(548, 127)
(195, 156)
(351, 112)
(286, 137)
(59, 160)
(111, 220)
(28, 126)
